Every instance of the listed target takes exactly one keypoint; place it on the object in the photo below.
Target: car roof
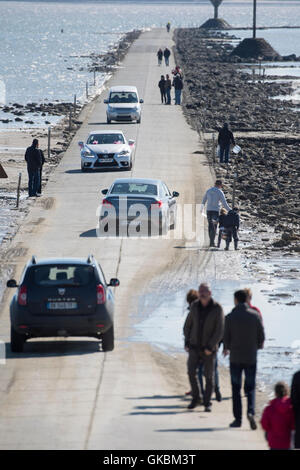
(46, 261)
(108, 131)
(123, 88)
(137, 180)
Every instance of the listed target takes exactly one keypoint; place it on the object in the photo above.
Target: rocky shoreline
(267, 171)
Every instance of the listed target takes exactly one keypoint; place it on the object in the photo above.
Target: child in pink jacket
(278, 419)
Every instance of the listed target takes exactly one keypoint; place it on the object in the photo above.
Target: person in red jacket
(278, 419)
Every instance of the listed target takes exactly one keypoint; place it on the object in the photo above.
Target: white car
(106, 149)
(123, 104)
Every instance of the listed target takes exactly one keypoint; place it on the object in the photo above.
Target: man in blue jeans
(178, 86)
(243, 336)
(225, 138)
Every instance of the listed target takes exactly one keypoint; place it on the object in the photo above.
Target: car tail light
(106, 202)
(156, 204)
(101, 297)
(22, 295)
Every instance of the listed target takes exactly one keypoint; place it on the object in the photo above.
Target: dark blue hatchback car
(62, 297)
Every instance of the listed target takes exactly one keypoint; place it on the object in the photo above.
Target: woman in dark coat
(162, 87)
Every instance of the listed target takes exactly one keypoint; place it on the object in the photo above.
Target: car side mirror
(141, 101)
(81, 144)
(114, 282)
(12, 283)
(104, 191)
(131, 142)
(175, 194)
(105, 101)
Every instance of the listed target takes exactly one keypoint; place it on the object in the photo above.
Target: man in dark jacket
(167, 54)
(243, 336)
(178, 86)
(33, 158)
(203, 330)
(231, 223)
(162, 87)
(295, 397)
(225, 138)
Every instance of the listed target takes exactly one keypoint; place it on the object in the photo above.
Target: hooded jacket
(278, 421)
(225, 137)
(232, 219)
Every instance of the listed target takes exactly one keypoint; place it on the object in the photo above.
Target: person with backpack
(225, 138)
(231, 224)
(278, 419)
(178, 86)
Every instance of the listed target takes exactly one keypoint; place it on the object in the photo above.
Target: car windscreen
(123, 97)
(102, 139)
(62, 275)
(134, 188)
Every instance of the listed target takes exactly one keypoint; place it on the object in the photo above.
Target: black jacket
(295, 394)
(243, 335)
(34, 158)
(225, 137)
(167, 53)
(162, 85)
(177, 82)
(232, 219)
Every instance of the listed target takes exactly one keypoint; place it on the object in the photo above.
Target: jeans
(200, 376)
(163, 96)
(33, 182)
(168, 93)
(212, 218)
(232, 233)
(236, 371)
(208, 364)
(224, 150)
(177, 96)
(167, 61)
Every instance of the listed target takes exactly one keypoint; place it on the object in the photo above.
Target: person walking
(278, 419)
(168, 86)
(39, 191)
(168, 26)
(295, 398)
(231, 225)
(159, 56)
(178, 86)
(33, 158)
(222, 231)
(162, 87)
(225, 138)
(203, 330)
(243, 336)
(214, 197)
(167, 54)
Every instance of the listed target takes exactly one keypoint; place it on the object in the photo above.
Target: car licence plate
(61, 305)
(104, 160)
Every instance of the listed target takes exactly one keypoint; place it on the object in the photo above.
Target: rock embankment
(268, 169)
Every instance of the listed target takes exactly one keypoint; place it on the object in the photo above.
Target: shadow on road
(151, 397)
(92, 233)
(54, 348)
(193, 430)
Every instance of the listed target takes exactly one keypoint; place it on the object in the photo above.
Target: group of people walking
(242, 334)
(166, 54)
(165, 84)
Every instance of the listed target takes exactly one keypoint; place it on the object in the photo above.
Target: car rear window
(123, 97)
(102, 139)
(134, 188)
(63, 275)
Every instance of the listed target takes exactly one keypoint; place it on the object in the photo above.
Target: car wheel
(16, 341)
(129, 166)
(108, 340)
(108, 120)
(139, 120)
(84, 170)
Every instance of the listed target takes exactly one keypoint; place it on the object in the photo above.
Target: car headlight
(111, 109)
(87, 154)
(124, 152)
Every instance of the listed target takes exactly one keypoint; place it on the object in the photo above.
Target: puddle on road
(276, 291)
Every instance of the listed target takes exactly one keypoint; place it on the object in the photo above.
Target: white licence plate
(103, 160)
(61, 305)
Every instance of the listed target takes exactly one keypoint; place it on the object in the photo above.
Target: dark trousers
(208, 364)
(297, 428)
(33, 182)
(168, 92)
(231, 234)
(163, 96)
(200, 376)
(224, 151)
(212, 218)
(236, 371)
(40, 184)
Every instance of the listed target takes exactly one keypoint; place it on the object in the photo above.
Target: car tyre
(17, 341)
(108, 120)
(139, 120)
(108, 340)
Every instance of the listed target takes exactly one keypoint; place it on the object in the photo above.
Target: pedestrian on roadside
(225, 138)
(167, 54)
(243, 336)
(203, 330)
(162, 87)
(178, 86)
(168, 86)
(34, 164)
(159, 56)
(222, 231)
(232, 224)
(278, 419)
(214, 197)
(295, 397)
(177, 71)
(168, 26)
(249, 301)
(39, 191)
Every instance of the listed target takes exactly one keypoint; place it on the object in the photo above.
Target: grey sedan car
(138, 205)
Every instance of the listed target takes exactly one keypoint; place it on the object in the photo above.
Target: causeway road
(66, 393)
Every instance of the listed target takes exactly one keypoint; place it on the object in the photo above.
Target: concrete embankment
(69, 395)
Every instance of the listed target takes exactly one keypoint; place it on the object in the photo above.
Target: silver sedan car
(134, 206)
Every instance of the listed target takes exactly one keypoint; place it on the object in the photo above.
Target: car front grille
(107, 155)
(105, 164)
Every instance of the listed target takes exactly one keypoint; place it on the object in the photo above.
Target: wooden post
(18, 190)
(75, 105)
(49, 141)
(70, 120)
(213, 148)
(254, 19)
(233, 189)
(94, 77)
(87, 89)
